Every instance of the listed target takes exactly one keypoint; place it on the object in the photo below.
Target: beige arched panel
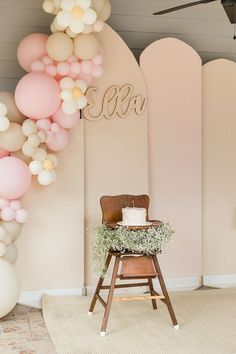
(219, 167)
(116, 150)
(172, 71)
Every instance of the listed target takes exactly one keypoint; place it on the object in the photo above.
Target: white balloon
(4, 123)
(34, 140)
(53, 159)
(3, 109)
(11, 253)
(64, 18)
(35, 167)
(45, 178)
(82, 85)
(66, 95)
(42, 136)
(48, 6)
(3, 249)
(9, 287)
(67, 4)
(29, 127)
(28, 150)
(67, 83)
(89, 17)
(40, 155)
(82, 102)
(69, 107)
(70, 33)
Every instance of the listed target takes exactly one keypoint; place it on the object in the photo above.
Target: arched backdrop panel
(116, 150)
(219, 171)
(172, 71)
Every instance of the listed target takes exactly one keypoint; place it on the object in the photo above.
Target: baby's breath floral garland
(150, 241)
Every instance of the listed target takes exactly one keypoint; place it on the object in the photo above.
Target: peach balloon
(13, 138)
(65, 120)
(13, 113)
(59, 142)
(37, 95)
(86, 46)
(59, 46)
(31, 48)
(15, 178)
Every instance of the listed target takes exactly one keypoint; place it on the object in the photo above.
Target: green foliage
(150, 241)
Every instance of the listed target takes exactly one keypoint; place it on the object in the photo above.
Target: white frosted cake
(134, 216)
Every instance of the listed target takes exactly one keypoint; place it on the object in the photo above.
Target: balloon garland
(35, 122)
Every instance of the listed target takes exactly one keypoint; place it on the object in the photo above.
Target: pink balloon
(87, 78)
(4, 153)
(87, 66)
(37, 95)
(63, 69)
(4, 203)
(55, 128)
(37, 66)
(21, 216)
(60, 141)
(15, 178)
(98, 60)
(8, 214)
(75, 68)
(15, 205)
(47, 60)
(44, 124)
(73, 75)
(51, 70)
(31, 48)
(65, 120)
(50, 137)
(97, 71)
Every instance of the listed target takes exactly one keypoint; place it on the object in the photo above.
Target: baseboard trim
(33, 298)
(222, 280)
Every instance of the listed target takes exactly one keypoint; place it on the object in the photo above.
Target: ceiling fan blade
(176, 8)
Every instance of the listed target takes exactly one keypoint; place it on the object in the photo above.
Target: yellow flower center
(78, 12)
(48, 165)
(77, 92)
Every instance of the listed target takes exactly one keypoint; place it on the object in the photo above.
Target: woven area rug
(207, 325)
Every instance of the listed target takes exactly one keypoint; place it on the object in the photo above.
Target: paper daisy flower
(73, 95)
(75, 15)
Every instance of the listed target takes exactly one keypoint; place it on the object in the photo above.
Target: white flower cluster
(78, 16)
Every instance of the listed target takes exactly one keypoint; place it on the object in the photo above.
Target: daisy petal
(89, 17)
(77, 26)
(84, 4)
(64, 18)
(82, 85)
(82, 102)
(66, 95)
(68, 5)
(67, 83)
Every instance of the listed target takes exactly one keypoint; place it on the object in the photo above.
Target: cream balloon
(106, 11)
(9, 287)
(29, 127)
(59, 46)
(36, 167)
(86, 46)
(13, 114)
(8, 239)
(28, 150)
(4, 123)
(3, 249)
(12, 228)
(2, 233)
(13, 138)
(11, 253)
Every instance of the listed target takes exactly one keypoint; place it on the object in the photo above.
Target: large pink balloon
(31, 48)
(37, 95)
(15, 178)
(60, 141)
(65, 120)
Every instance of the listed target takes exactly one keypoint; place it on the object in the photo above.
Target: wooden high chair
(133, 266)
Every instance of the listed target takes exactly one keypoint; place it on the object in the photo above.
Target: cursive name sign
(117, 101)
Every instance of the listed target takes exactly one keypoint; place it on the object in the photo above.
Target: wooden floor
(23, 331)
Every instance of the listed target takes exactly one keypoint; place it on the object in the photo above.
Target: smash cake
(134, 216)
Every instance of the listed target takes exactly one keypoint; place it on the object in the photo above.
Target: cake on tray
(134, 216)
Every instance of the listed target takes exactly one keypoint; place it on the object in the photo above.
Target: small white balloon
(36, 167)
(90, 17)
(64, 18)
(69, 107)
(34, 140)
(4, 123)
(28, 150)
(82, 102)
(67, 4)
(42, 136)
(53, 159)
(66, 95)
(3, 249)
(45, 178)
(3, 109)
(98, 26)
(48, 6)
(67, 83)
(29, 127)
(70, 33)
(40, 155)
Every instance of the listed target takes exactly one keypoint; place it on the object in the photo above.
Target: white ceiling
(205, 27)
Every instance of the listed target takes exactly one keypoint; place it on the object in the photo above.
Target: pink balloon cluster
(12, 210)
(57, 138)
(73, 67)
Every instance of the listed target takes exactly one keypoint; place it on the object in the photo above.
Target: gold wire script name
(117, 101)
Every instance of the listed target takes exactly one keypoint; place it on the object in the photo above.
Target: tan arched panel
(219, 167)
(116, 150)
(172, 70)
